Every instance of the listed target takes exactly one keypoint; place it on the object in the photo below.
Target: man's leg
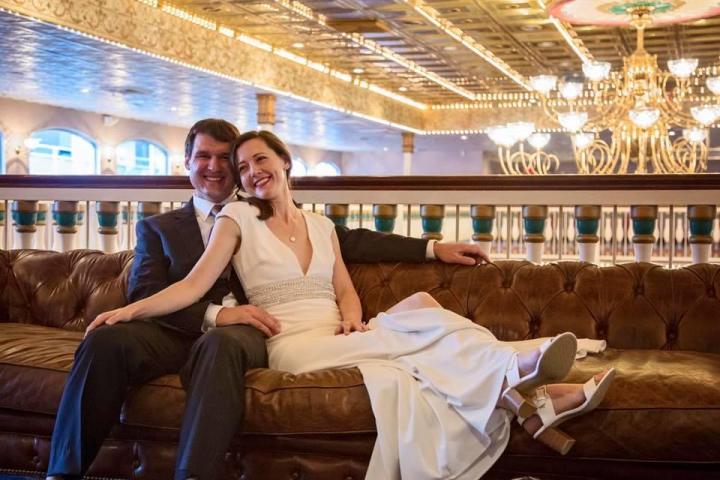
(214, 378)
(107, 362)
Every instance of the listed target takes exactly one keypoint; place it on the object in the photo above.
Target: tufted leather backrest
(64, 290)
(631, 306)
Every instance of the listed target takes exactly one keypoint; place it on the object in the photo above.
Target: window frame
(156, 144)
(88, 138)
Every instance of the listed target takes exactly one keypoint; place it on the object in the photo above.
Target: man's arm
(149, 275)
(360, 245)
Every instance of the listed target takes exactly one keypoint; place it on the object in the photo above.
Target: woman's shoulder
(239, 209)
(321, 221)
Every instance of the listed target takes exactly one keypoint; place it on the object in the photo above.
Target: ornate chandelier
(620, 119)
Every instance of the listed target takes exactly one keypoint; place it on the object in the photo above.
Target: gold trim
(535, 211)
(643, 211)
(337, 210)
(385, 211)
(151, 31)
(482, 211)
(589, 212)
(701, 211)
(432, 211)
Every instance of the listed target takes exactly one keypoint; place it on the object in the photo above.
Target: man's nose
(217, 162)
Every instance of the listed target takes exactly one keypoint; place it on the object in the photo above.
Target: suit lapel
(188, 231)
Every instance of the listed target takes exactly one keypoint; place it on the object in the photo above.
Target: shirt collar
(203, 206)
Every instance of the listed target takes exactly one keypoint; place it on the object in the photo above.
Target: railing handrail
(707, 181)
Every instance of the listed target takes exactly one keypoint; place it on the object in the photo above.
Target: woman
(435, 379)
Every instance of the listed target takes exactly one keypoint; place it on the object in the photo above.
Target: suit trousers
(114, 358)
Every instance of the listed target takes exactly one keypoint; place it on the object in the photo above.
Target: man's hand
(124, 314)
(462, 253)
(346, 327)
(248, 315)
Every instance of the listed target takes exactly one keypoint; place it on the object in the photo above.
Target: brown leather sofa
(660, 420)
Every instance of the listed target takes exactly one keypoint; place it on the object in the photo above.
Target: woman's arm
(223, 242)
(347, 298)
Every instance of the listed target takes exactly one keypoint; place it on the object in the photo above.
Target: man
(212, 364)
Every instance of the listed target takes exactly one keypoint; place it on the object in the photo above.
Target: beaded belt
(285, 291)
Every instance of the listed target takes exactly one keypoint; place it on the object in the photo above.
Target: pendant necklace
(292, 233)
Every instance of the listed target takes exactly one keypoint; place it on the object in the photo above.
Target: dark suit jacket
(169, 245)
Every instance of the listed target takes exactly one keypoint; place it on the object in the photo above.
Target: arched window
(140, 157)
(299, 167)
(326, 169)
(61, 152)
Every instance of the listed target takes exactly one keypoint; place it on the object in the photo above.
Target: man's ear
(187, 162)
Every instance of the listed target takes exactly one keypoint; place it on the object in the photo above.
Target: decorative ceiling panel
(44, 64)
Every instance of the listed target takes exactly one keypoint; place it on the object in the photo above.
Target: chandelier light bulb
(583, 140)
(644, 117)
(596, 71)
(694, 134)
(521, 130)
(539, 140)
(713, 84)
(501, 136)
(705, 114)
(571, 90)
(543, 84)
(572, 121)
(683, 67)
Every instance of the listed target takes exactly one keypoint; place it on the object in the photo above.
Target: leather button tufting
(295, 475)
(569, 287)
(711, 292)
(639, 290)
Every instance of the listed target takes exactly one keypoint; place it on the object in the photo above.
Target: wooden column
(385, 215)
(534, 217)
(643, 221)
(432, 219)
(66, 216)
(338, 213)
(24, 214)
(701, 219)
(483, 217)
(266, 111)
(587, 224)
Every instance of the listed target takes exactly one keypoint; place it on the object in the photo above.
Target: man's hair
(220, 130)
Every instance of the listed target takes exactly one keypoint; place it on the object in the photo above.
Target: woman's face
(261, 170)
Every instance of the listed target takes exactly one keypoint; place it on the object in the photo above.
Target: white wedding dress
(433, 376)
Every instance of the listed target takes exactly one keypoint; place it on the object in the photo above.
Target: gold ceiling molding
(148, 30)
(471, 121)
(569, 35)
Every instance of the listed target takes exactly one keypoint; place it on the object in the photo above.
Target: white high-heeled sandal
(557, 356)
(548, 432)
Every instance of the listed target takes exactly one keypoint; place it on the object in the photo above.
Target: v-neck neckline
(297, 260)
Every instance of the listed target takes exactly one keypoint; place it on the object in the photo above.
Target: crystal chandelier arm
(671, 108)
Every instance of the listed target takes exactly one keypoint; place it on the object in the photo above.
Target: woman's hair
(277, 146)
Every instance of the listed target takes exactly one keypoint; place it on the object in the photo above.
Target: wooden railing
(605, 219)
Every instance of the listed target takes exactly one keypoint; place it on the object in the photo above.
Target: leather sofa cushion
(657, 396)
(34, 361)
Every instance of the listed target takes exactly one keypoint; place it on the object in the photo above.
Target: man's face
(210, 170)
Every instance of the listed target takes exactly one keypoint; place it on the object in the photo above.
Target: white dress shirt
(206, 222)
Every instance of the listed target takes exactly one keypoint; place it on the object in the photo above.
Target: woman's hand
(346, 327)
(124, 314)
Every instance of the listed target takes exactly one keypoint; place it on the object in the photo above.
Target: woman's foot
(558, 403)
(528, 370)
